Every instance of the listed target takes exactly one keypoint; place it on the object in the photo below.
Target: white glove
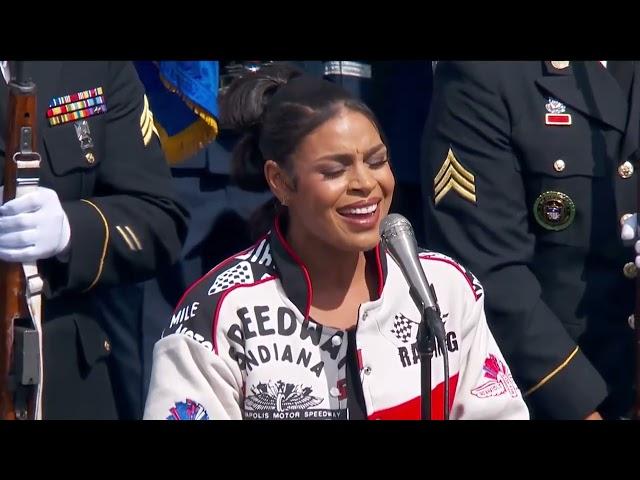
(33, 226)
(630, 233)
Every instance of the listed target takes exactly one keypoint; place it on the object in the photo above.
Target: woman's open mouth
(363, 214)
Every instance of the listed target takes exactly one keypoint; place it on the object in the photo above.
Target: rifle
(20, 345)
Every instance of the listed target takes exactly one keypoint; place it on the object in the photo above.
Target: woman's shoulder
(246, 267)
(447, 268)
(197, 310)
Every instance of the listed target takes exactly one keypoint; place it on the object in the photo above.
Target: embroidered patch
(453, 176)
(500, 380)
(188, 410)
(147, 127)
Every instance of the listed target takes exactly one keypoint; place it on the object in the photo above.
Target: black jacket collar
(294, 276)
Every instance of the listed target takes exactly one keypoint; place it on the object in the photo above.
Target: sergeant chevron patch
(147, 127)
(453, 176)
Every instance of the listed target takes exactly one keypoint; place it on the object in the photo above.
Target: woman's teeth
(360, 211)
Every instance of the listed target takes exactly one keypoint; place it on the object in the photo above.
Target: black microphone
(399, 239)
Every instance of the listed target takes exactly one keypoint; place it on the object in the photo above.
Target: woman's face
(344, 183)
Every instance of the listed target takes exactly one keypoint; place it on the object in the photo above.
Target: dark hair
(273, 120)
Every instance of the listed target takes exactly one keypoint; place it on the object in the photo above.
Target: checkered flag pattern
(239, 274)
(402, 328)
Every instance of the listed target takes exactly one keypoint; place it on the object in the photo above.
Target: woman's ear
(278, 181)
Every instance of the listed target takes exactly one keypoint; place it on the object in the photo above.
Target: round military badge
(554, 210)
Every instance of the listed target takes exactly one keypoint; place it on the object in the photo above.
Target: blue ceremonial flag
(183, 97)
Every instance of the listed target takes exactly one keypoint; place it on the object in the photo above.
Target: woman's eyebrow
(373, 150)
(344, 158)
(347, 158)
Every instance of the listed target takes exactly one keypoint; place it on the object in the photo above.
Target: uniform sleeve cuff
(571, 391)
(82, 268)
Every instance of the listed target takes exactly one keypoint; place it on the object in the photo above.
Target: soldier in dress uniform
(103, 216)
(528, 175)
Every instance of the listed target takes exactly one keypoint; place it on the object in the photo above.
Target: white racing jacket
(241, 345)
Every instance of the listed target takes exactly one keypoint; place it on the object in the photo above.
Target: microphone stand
(430, 330)
(426, 346)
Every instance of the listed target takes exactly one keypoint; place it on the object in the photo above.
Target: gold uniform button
(625, 170)
(624, 218)
(107, 346)
(559, 165)
(630, 270)
(90, 158)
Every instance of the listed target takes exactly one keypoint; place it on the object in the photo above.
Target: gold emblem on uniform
(625, 170)
(554, 210)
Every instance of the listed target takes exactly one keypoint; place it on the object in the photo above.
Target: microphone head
(394, 225)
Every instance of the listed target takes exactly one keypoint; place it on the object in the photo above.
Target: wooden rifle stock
(16, 400)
